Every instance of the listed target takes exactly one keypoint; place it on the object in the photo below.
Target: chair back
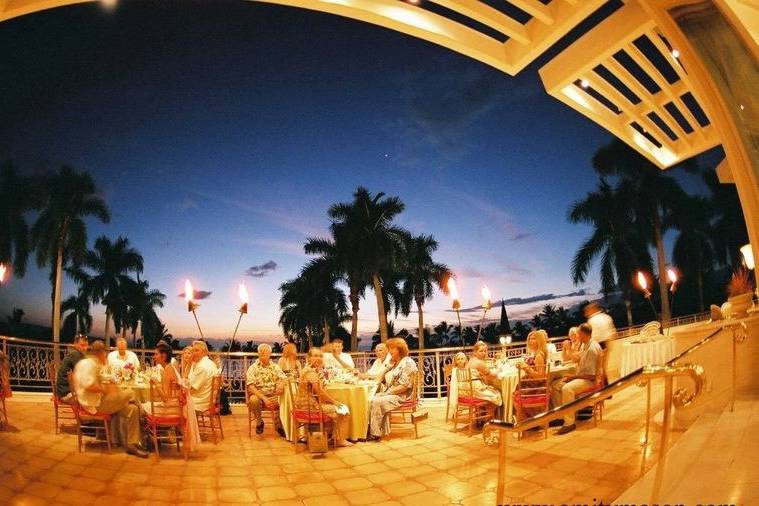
(464, 381)
(75, 406)
(52, 376)
(294, 387)
(601, 369)
(447, 372)
(534, 390)
(216, 383)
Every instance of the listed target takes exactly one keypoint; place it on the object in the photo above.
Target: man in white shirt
(567, 388)
(201, 375)
(120, 357)
(338, 359)
(601, 323)
(96, 397)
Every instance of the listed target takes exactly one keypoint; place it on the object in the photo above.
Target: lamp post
(748, 259)
(486, 305)
(192, 305)
(643, 284)
(456, 306)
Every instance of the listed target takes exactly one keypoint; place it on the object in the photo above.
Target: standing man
(601, 323)
(96, 397)
(264, 382)
(75, 354)
(566, 389)
(120, 357)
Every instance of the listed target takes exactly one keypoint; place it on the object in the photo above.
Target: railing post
(437, 376)
(666, 423)
(501, 488)
(735, 372)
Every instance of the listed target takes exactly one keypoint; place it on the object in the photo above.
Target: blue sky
(220, 134)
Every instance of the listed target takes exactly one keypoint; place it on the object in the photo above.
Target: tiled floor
(441, 467)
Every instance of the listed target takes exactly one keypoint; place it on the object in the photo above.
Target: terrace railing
(29, 359)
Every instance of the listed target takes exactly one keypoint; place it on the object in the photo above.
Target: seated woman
(533, 370)
(168, 388)
(313, 375)
(380, 364)
(397, 383)
(186, 361)
(288, 362)
(483, 378)
(460, 360)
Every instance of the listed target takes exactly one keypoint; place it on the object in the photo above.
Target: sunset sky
(220, 132)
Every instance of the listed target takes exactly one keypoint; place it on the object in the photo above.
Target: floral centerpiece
(127, 372)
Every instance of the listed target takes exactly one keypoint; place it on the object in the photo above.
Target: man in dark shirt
(67, 365)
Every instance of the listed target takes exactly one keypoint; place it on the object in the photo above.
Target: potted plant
(740, 295)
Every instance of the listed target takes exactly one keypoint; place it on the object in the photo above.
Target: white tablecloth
(655, 352)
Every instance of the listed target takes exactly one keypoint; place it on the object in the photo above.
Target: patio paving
(441, 467)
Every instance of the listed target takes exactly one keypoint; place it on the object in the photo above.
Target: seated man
(96, 397)
(338, 359)
(566, 389)
(75, 354)
(264, 382)
(120, 357)
(201, 375)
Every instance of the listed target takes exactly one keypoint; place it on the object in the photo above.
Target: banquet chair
(209, 418)
(447, 372)
(409, 407)
(533, 393)
(597, 410)
(86, 421)
(165, 427)
(475, 409)
(307, 417)
(62, 409)
(265, 412)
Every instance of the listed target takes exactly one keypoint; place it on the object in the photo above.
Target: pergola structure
(671, 78)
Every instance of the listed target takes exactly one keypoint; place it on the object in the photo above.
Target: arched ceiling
(622, 73)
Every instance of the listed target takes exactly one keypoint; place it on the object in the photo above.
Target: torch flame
(2, 272)
(672, 275)
(242, 291)
(485, 294)
(452, 289)
(188, 293)
(642, 281)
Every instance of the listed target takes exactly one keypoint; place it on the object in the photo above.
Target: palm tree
(16, 196)
(728, 224)
(79, 317)
(112, 262)
(421, 274)
(142, 302)
(613, 239)
(656, 197)
(349, 267)
(693, 251)
(60, 231)
(365, 226)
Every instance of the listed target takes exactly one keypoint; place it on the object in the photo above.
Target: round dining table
(356, 396)
(637, 353)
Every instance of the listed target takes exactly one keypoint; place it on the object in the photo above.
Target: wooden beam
(535, 9)
(483, 13)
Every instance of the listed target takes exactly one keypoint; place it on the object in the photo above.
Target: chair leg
(107, 426)
(447, 407)
(455, 417)
(79, 436)
(221, 427)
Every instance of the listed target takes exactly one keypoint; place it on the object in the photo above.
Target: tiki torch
(486, 305)
(3, 269)
(242, 291)
(454, 293)
(643, 283)
(673, 279)
(192, 305)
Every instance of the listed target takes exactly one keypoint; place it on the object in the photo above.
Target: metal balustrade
(29, 359)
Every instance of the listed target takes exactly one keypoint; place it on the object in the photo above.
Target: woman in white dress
(483, 378)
